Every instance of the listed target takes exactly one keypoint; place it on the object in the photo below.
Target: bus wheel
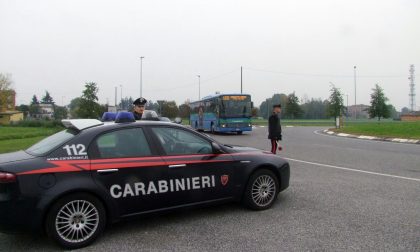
(239, 132)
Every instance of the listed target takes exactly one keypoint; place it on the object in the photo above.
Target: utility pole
(355, 94)
(199, 87)
(141, 75)
(412, 94)
(116, 91)
(241, 79)
(347, 110)
(122, 104)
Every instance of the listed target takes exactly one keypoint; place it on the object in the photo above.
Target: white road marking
(351, 169)
(343, 134)
(367, 137)
(317, 132)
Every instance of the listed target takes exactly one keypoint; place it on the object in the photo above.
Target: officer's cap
(140, 101)
(277, 106)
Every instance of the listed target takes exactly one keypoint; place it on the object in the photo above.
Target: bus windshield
(235, 106)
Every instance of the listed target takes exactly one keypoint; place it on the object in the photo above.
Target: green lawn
(19, 138)
(7, 133)
(395, 129)
(297, 122)
(18, 144)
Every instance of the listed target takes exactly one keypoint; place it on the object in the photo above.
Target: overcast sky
(284, 46)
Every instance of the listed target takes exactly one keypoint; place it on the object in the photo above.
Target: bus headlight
(249, 125)
(223, 125)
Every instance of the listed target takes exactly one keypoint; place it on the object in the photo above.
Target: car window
(177, 141)
(123, 143)
(48, 144)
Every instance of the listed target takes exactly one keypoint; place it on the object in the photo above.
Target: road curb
(372, 138)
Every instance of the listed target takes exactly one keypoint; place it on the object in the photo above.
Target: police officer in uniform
(139, 105)
(274, 128)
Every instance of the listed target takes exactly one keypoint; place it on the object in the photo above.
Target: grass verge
(398, 129)
(18, 144)
(19, 138)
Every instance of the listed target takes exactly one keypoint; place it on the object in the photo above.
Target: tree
(5, 82)
(405, 110)
(292, 109)
(315, 109)
(335, 105)
(34, 100)
(393, 113)
(47, 99)
(267, 105)
(151, 105)
(88, 106)
(254, 112)
(126, 104)
(378, 107)
(74, 107)
(169, 109)
(60, 113)
(23, 108)
(184, 110)
(5, 90)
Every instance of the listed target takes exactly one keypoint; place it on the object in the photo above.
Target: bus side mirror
(217, 149)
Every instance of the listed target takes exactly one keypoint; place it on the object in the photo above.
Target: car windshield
(48, 144)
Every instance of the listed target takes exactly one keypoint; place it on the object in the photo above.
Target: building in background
(8, 113)
(412, 116)
(361, 110)
(44, 111)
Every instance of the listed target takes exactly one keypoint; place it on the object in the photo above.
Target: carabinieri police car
(73, 183)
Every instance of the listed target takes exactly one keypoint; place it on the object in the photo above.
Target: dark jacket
(274, 128)
(137, 116)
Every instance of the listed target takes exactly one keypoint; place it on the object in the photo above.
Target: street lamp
(355, 103)
(141, 75)
(199, 87)
(122, 104)
(347, 107)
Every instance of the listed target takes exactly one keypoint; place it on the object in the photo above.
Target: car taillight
(6, 177)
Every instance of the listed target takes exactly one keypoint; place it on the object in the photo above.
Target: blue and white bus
(222, 113)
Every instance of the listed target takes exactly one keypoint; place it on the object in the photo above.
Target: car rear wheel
(76, 221)
(262, 190)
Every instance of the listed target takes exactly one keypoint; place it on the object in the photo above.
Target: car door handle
(177, 165)
(107, 171)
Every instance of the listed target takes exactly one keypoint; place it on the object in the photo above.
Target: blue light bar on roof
(123, 117)
(109, 116)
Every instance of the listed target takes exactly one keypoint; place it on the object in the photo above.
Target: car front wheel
(76, 221)
(262, 190)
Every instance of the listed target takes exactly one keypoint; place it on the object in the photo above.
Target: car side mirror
(217, 149)
(178, 120)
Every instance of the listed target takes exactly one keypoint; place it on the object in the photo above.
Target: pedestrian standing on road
(274, 128)
(139, 104)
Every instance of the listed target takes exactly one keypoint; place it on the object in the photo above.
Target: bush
(38, 123)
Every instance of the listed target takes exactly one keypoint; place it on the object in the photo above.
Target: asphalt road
(345, 195)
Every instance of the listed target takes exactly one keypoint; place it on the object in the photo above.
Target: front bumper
(233, 129)
(284, 172)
